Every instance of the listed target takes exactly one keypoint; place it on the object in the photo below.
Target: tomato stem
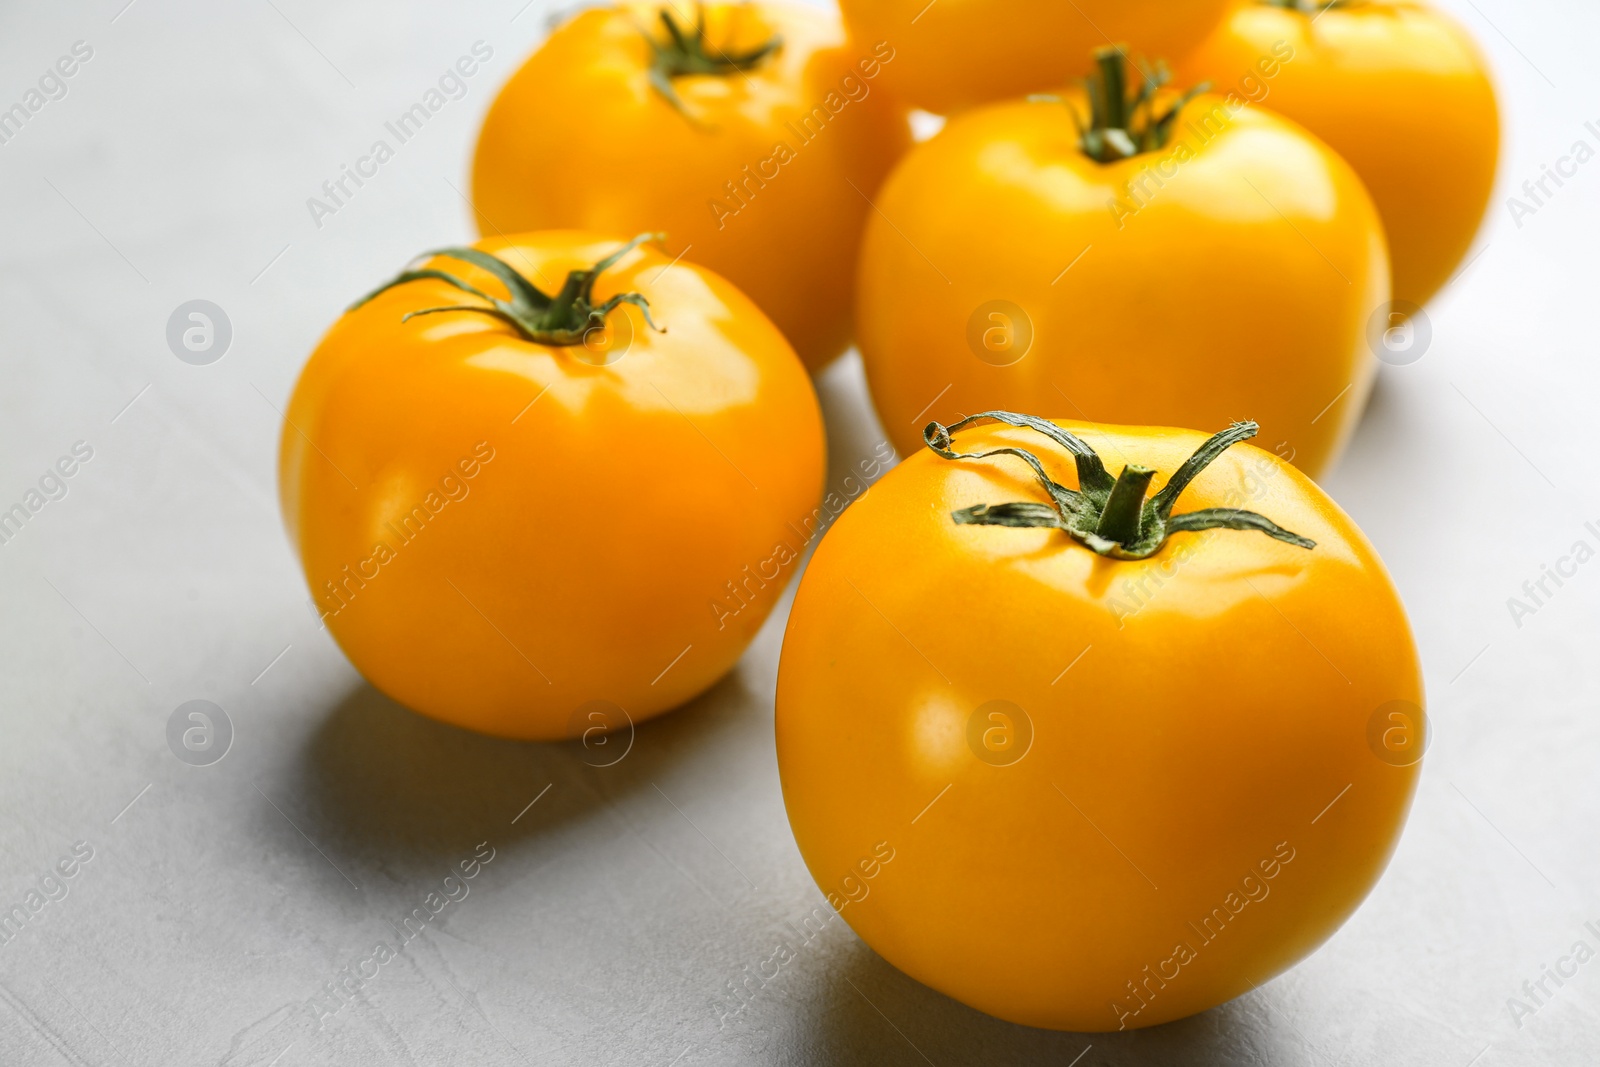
(1119, 521)
(1109, 517)
(562, 320)
(1123, 124)
(685, 52)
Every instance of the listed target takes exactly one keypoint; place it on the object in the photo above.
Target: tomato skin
(1180, 745)
(615, 502)
(1241, 288)
(579, 138)
(1400, 90)
(959, 53)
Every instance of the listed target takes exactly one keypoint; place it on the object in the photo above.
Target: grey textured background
(221, 899)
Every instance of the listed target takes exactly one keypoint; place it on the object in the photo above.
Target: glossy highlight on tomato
(500, 531)
(754, 140)
(1123, 775)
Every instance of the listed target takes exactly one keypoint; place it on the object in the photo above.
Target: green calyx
(1123, 123)
(567, 318)
(688, 51)
(1109, 516)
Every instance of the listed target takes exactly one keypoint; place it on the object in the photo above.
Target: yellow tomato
(957, 53)
(1230, 271)
(754, 143)
(542, 517)
(1397, 88)
(1082, 761)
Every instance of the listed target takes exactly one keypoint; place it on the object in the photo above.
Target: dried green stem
(1123, 124)
(1119, 521)
(1111, 518)
(689, 51)
(565, 319)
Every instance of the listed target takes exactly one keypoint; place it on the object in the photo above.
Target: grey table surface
(218, 905)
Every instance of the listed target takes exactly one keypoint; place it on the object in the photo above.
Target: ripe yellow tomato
(957, 53)
(754, 141)
(1401, 91)
(1231, 272)
(541, 517)
(1066, 759)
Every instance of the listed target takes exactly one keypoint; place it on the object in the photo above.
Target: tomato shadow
(871, 1013)
(391, 792)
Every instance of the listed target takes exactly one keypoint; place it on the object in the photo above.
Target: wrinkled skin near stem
(1111, 517)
